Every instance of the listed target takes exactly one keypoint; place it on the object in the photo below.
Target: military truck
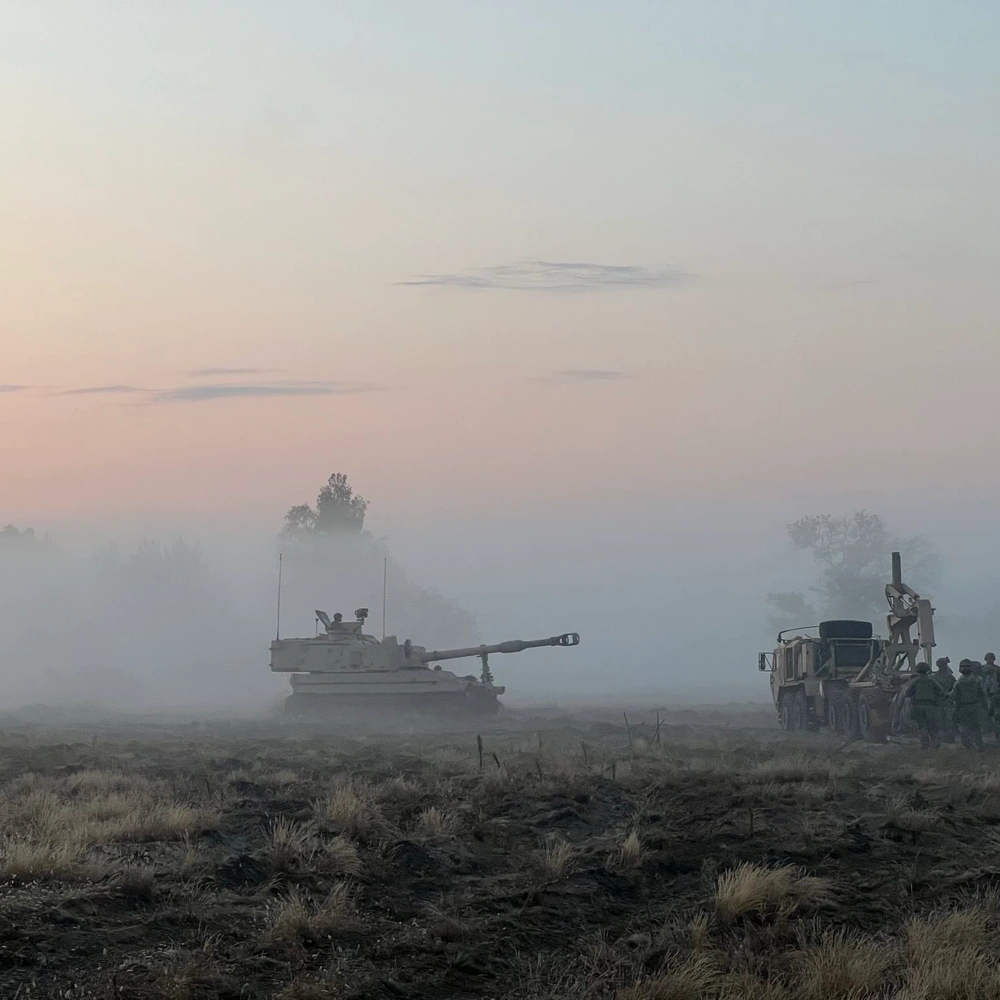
(840, 675)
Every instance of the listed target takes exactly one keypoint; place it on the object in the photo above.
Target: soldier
(944, 675)
(969, 697)
(946, 680)
(991, 681)
(925, 697)
(984, 710)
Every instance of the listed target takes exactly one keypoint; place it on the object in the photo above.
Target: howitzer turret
(344, 665)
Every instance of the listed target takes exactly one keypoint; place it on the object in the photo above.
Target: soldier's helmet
(990, 657)
(923, 668)
(942, 661)
(965, 667)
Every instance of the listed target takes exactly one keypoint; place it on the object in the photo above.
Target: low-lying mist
(668, 612)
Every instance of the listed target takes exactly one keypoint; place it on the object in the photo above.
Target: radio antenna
(277, 627)
(385, 572)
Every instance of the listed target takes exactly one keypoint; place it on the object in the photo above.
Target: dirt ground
(543, 854)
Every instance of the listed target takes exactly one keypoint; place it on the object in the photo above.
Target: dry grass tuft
(49, 821)
(843, 964)
(630, 851)
(984, 781)
(950, 958)
(696, 978)
(296, 918)
(902, 816)
(558, 859)
(289, 846)
(192, 976)
(350, 806)
(27, 860)
(753, 889)
(400, 791)
(947, 929)
(339, 857)
(432, 822)
(701, 938)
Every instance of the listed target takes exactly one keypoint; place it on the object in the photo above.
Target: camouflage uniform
(946, 681)
(925, 697)
(984, 711)
(991, 681)
(969, 697)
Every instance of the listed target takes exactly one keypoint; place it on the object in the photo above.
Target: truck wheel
(792, 713)
(839, 715)
(871, 718)
(785, 714)
(800, 711)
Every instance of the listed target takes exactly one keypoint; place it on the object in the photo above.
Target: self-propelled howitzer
(344, 666)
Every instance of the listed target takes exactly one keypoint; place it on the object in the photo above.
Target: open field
(575, 858)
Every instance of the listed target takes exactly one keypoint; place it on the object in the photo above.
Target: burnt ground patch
(576, 857)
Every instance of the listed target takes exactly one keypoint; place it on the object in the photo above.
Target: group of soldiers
(943, 704)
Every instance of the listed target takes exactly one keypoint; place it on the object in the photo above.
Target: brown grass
(558, 859)
(297, 918)
(351, 807)
(843, 964)
(983, 781)
(629, 853)
(26, 860)
(192, 975)
(902, 816)
(339, 857)
(752, 889)
(433, 822)
(49, 821)
(694, 978)
(288, 846)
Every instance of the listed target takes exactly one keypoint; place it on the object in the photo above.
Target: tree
(22, 538)
(338, 511)
(854, 553)
(335, 563)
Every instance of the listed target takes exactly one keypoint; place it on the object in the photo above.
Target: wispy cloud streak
(12, 388)
(263, 390)
(99, 390)
(554, 276)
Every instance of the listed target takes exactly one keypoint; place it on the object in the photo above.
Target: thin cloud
(554, 276)
(99, 390)
(216, 372)
(12, 388)
(263, 390)
(571, 376)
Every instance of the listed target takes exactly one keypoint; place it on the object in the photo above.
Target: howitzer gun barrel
(511, 646)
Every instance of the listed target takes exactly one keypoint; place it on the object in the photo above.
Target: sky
(588, 299)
